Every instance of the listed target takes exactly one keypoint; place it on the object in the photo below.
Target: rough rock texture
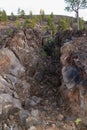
(27, 77)
(74, 73)
(18, 53)
(30, 78)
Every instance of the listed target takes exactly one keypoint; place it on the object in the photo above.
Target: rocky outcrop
(74, 72)
(27, 77)
(19, 52)
(34, 92)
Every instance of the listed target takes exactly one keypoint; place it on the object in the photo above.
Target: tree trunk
(77, 13)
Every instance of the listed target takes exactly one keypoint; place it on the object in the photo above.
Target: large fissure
(43, 80)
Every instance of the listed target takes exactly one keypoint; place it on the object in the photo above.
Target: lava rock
(35, 113)
(70, 76)
(23, 115)
(33, 101)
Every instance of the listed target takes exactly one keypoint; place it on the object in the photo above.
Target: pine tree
(4, 17)
(76, 5)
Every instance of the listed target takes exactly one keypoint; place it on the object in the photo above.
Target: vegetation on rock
(63, 24)
(51, 24)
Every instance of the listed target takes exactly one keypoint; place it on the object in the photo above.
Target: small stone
(32, 128)
(43, 115)
(60, 117)
(35, 113)
(22, 116)
(33, 101)
(70, 76)
(30, 121)
(70, 126)
(39, 127)
(53, 127)
(84, 120)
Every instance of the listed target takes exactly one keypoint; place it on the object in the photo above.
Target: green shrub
(10, 31)
(42, 14)
(4, 16)
(26, 23)
(30, 14)
(22, 14)
(52, 15)
(63, 24)
(51, 25)
(81, 23)
(43, 53)
(17, 23)
(30, 22)
(12, 16)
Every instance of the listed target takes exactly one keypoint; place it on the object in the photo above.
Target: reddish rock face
(76, 57)
(22, 51)
(4, 63)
